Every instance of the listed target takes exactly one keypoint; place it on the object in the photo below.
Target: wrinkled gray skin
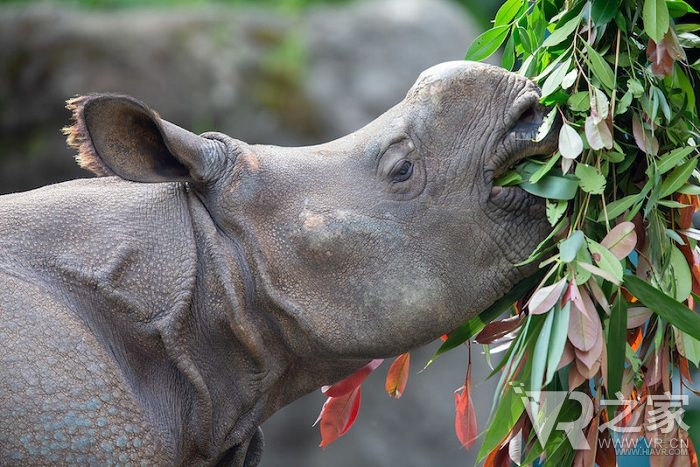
(163, 322)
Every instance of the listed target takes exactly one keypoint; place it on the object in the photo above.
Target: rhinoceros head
(371, 244)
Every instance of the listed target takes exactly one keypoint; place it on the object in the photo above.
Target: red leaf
(590, 359)
(575, 378)
(498, 329)
(498, 458)
(605, 456)
(397, 376)
(567, 356)
(344, 386)
(686, 214)
(621, 240)
(664, 53)
(465, 415)
(693, 259)
(586, 457)
(584, 324)
(337, 415)
(645, 140)
(546, 297)
(683, 368)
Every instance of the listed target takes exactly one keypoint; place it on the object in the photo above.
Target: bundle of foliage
(611, 313)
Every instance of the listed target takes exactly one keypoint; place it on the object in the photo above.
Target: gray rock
(248, 72)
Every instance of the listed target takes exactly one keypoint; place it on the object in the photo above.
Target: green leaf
(477, 323)
(507, 12)
(554, 80)
(508, 411)
(635, 87)
(613, 156)
(677, 178)
(616, 208)
(678, 8)
(602, 11)
(569, 247)
(579, 102)
(666, 307)
(553, 187)
(508, 60)
(590, 180)
(689, 27)
(624, 103)
(487, 43)
(544, 169)
(555, 209)
(509, 178)
(600, 68)
(689, 189)
(656, 19)
(688, 40)
(546, 125)
(557, 339)
(616, 343)
(691, 348)
(678, 274)
(673, 158)
(581, 275)
(539, 355)
(605, 259)
(560, 35)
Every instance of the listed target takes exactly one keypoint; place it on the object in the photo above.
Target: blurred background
(289, 72)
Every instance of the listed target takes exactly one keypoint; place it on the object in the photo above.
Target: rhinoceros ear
(119, 135)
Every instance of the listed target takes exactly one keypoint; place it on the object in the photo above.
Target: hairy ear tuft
(78, 138)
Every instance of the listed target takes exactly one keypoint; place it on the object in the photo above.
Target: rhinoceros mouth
(522, 124)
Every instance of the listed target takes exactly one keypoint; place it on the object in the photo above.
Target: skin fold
(160, 312)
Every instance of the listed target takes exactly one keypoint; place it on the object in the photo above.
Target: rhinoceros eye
(402, 171)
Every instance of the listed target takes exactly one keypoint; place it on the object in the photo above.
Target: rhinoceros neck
(176, 301)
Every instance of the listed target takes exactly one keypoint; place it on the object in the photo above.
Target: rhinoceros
(157, 314)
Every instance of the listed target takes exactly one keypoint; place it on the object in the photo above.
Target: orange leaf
(498, 458)
(634, 338)
(337, 415)
(465, 415)
(344, 386)
(628, 296)
(692, 454)
(397, 376)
